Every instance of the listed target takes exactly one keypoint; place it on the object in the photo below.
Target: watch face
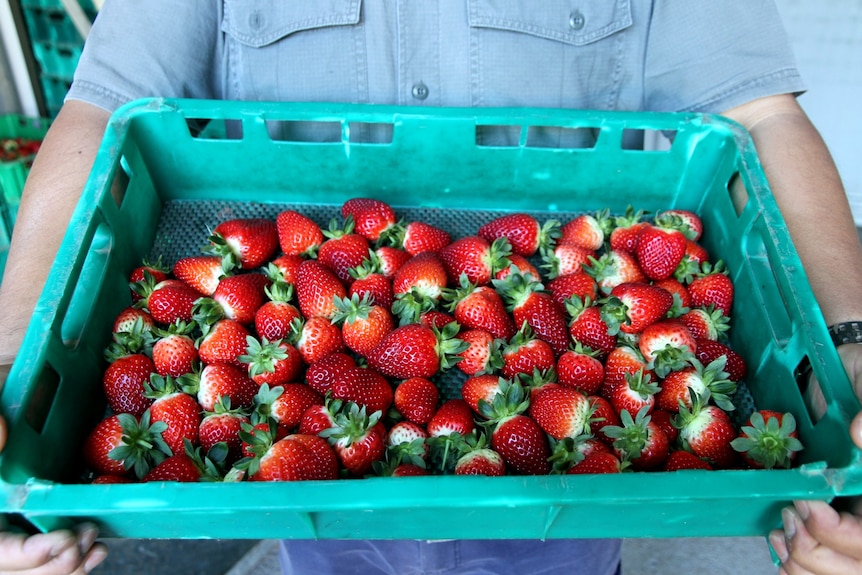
(846, 332)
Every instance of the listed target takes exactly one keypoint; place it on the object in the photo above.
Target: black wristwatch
(846, 332)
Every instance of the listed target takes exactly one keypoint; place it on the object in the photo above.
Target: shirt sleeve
(707, 56)
(148, 48)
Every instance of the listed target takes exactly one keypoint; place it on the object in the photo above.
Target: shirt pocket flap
(576, 23)
(262, 22)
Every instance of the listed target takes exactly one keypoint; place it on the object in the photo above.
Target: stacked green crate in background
(56, 45)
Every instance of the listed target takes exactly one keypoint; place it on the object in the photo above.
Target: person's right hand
(55, 553)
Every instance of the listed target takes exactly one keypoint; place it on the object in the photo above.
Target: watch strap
(846, 332)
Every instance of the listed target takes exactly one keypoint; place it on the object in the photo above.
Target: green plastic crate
(57, 60)
(428, 162)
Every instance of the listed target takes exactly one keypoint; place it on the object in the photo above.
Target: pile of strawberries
(284, 351)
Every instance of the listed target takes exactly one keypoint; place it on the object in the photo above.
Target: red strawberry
(316, 338)
(586, 231)
(622, 361)
(479, 307)
(677, 386)
(614, 268)
(680, 294)
(284, 268)
(626, 230)
(768, 440)
(358, 439)
(297, 234)
(587, 326)
(272, 362)
(521, 264)
(688, 222)
(416, 399)
(124, 383)
(635, 393)
(286, 403)
(416, 237)
(202, 273)
(343, 250)
(365, 387)
(475, 458)
(666, 345)
(319, 417)
(363, 324)
(525, 354)
(273, 318)
(664, 419)
(530, 304)
(171, 301)
(177, 409)
(707, 323)
(218, 380)
(120, 444)
(481, 388)
(223, 424)
(680, 459)
(236, 297)
(580, 369)
(597, 463)
(578, 284)
(565, 259)
(515, 436)
(322, 373)
(368, 279)
(245, 243)
(694, 258)
(712, 287)
(523, 231)
(639, 440)
(157, 272)
(183, 467)
(659, 251)
(415, 350)
(482, 354)
(453, 416)
(632, 306)
(561, 412)
(708, 351)
(418, 286)
(389, 260)
(297, 457)
(436, 319)
(603, 415)
(317, 286)
(372, 217)
(224, 342)
(175, 353)
(476, 257)
(707, 431)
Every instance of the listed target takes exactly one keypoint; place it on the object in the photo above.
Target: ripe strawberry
(316, 289)
(688, 222)
(236, 297)
(525, 354)
(171, 301)
(476, 257)
(632, 306)
(712, 287)
(706, 323)
(389, 260)
(176, 408)
(622, 361)
(603, 415)
(520, 264)
(436, 319)
(273, 318)
(296, 457)
(680, 459)
(578, 284)
(768, 440)
(530, 304)
(357, 439)
(368, 279)
(201, 273)
(663, 419)
(364, 387)
(319, 417)
(479, 307)
(418, 286)
(284, 268)
(635, 393)
(414, 350)
(223, 424)
(481, 388)
(707, 431)
(416, 399)
(710, 381)
(223, 342)
(297, 234)
(524, 233)
(587, 326)
(120, 444)
(586, 231)
(124, 383)
(316, 338)
(372, 217)
(681, 297)
(569, 451)
(626, 230)
(184, 467)
(218, 380)
(453, 416)
(175, 352)
(475, 458)
(598, 463)
(515, 436)
(272, 362)
(561, 412)
(343, 250)
(659, 251)
(639, 440)
(565, 259)
(322, 373)
(244, 243)
(708, 351)
(286, 404)
(693, 259)
(363, 323)
(416, 237)
(157, 272)
(614, 268)
(579, 369)
(666, 345)
(482, 354)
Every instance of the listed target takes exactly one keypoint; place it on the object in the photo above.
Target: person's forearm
(53, 187)
(811, 197)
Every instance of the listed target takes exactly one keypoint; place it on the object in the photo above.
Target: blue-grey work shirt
(660, 55)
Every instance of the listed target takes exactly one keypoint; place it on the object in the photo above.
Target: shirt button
(576, 20)
(256, 20)
(419, 91)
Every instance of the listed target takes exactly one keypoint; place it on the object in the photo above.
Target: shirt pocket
(566, 54)
(301, 50)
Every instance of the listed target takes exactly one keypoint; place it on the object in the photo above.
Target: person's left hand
(818, 539)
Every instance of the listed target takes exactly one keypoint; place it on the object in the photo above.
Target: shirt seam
(97, 90)
(782, 74)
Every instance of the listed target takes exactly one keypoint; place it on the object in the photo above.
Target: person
(731, 58)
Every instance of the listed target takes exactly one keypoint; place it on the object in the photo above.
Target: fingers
(2, 432)
(856, 430)
(818, 540)
(55, 553)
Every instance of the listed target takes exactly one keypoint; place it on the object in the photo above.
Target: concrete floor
(714, 556)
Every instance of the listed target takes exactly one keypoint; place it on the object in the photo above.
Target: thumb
(856, 430)
(3, 432)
